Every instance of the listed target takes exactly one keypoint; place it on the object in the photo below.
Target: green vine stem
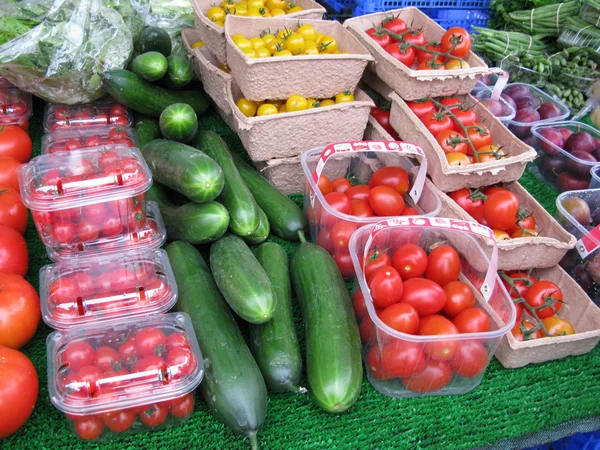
(400, 37)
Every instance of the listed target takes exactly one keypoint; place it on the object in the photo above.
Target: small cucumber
(178, 122)
(184, 169)
(154, 39)
(151, 66)
(262, 231)
(147, 129)
(274, 344)
(179, 72)
(242, 280)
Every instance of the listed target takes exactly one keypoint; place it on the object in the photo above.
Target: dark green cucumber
(147, 129)
(178, 122)
(151, 66)
(262, 230)
(285, 217)
(154, 39)
(179, 72)
(130, 90)
(233, 387)
(184, 169)
(242, 280)
(333, 360)
(243, 210)
(274, 344)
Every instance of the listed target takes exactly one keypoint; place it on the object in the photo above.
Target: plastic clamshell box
(509, 111)
(15, 106)
(289, 134)
(89, 386)
(414, 84)
(524, 253)
(450, 178)
(477, 270)
(98, 113)
(595, 173)
(313, 76)
(79, 138)
(578, 309)
(523, 74)
(213, 35)
(80, 291)
(82, 195)
(550, 154)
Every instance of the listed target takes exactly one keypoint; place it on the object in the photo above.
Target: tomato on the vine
(527, 223)
(431, 64)
(394, 177)
(422, 108)
(479, 136)
(490, 153)
(451, 103)
(417, 38)
(433, 377)
(451, 141)
(459, 297)
(443, 265)
(464, 199)
(401, 317)
(470, 359)
(456, 40)
(382, 38)
(544, 292)
(436, 325)
(395, 24)
(423, 55)
(410, 261)
(500, 210)
(472, 320)
(456, 159)
(557, 326)
(465, 117)
(518, 333)
(437, 122)
(386, 287)
(401, 52)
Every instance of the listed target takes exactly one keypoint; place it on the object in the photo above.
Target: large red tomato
(426, 296)
(472, 320)
(13, 213)
(394, 177)
(464, 199)
(385, 201)
(19, 311)
(401, 317)
(436, 325)
(8, 172)
(397, 359)
(18, 390)
(459, 296)
(500, 210)
(443, 265)
(13, 252)
(410, 261)
(386, 287)
(470, 359)
(544, 292)
(15, 143)
(457, 40)
(433, 377)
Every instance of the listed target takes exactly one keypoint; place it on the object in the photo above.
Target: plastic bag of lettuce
(62, 59)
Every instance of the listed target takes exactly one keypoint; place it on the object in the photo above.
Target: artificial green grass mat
(507, 404)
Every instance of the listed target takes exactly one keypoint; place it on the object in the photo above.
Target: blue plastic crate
(372, 6)
(458, 18)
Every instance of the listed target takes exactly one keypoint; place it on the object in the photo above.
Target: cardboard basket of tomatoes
(15, 107)
(98, 113)
(321, 75)
(527, 236)
(555, 319)
(125, 376)
(283, 173)
(455, 131)
(349, 185)
(289, 133)
(401, 42)
(431, 316)
(94, 288)
(80, 196)
(79, 138)
(210, 17)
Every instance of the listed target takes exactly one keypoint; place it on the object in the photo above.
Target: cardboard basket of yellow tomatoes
(210, 17)
(313, 58)
(527, 235)
(399, 40)
(283, 129)
(555, 318)
(465, 144)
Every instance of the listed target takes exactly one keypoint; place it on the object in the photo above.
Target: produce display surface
(507, 405)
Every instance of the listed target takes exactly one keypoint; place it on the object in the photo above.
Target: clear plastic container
(99, 113)
(82, 195)
(15, 107)
(80, 291)
(152, 235)
(125, 376)
(523, 74)
(595, 173)
(508, 111)
(408, 365)
(75, 139)
(361, 160)
(590, 13)
(557, 166)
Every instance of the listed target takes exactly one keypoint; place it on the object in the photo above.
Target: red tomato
(430, 64)
(324, 185)
(13, 252)
(500, 210)
(181, 362)
(410, 261)
(111, 226)
(63, 232)
(543, 293)
(154, 415)
(89, 427)
(410, 212)
(359, 192)
(87, 231)
(465, 117)
(401, 52)
(119, 421)
(19, 311)
(344, 263)
(383, 118)
(324, 241)
(117, 110)
(63, 290)
(422, 108)
(464, 198)
(459, 297)
(424, 295)
(8, 172)
(452, 103)
(437, 122)
(443, 265)
(435, 325)
(106, 358)
(394, 177)
(480, 137)
(383, 39)
(340, 185)
(360, 308)
(422, 55)
(367, 330)
(451, 142)
(528, 223)
(395, 24)
(376, 259)
(339, 201)
(517, 331)
(433, 377)
(123, 279)
(92, 141)
(340, 235)
(361, 208)
(15, 143)
(128, 352)
(78, 354)
(401, 317)
(150, 341)
(397, 359)
(456, 40)
(12, 211)
(386, 201)
(183, 406)
(415, 38)
(521, 282)
(470, 359)
(472, 320)
(121, 121)
(149, 363)
(477, 214)
(87, 377)
(386, 287)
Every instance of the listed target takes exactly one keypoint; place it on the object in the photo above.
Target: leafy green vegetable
(11, 27)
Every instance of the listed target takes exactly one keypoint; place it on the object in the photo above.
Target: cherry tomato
(150, 341)
(443, 265)
(383, 118)
(437, 122)
(117, 110)
(410, 212)
(456, 40)
(459, 297)
(340, 185)
(123, 279)
(339, 201)
(324, 185)
(470, 359)
(463, 197)
(89, 427)
(426, 296)
(401, 317)
(361, 208)
(401, 52)
(386, 201)
(472, 320)
(395, 24)
(524, 233)
(396, 360)
(422, 108)
(394, 177)
(542, 292)
(557, 326)
(431, 64)
(410, 261)
(8, 172)
(360, 308)
(451, 141)
(415, 38)
(376, 259)
(517, 332)
(324, 241)
(386, 287)
(480, 137)
(477, 214)
(422, 55)
(433, 377)
(154, 415)
(344, 263)
(340, 235)
(63, 290)
(92, 141)
(119, 421)
(458, 159)
(359, 192)
(466, 117)
(183, 406)
(528, 223)
(367, 330)
(380, 37)
(111, 226)
(63, 232)
(436, 325)
(121, 121)
(106, 358)
(109, 161)
(181, 362)
(88, 376)
(128, 352)
(78, 354)
(500, 210)
(149, 363)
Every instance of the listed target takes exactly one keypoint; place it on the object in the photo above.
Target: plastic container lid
(588, 238)
(81, 177)
(101, 287)
(542, 97)
(78, 138)
(15, 105)
(595, 172)
(98, 113)
(80, 387)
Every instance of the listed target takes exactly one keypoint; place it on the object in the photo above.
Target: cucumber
(243, 211)
(184, 169)
(178, 122)
(130, 90)
(285, 218)
(233, 387)
(242, 280)
(147, 129)
(150, 66)
(333, 361)
(154, 39)
(196, 223)
(179, 72)
(274, 344)
(262, 230)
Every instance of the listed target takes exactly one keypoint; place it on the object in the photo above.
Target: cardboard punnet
(284, 173)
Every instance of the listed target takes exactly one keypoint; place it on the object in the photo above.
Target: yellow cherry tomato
(284, 52)
(307, 32)
(276, 4)
(198, 44)
(344, 97)
(262, 52)
(312, 103)
(257, 42)
(215, 14)
(457, 159)
(283, 34)
(238, 37)
(501, 235)
(277, 12)
(247, 107)
(456, 64)
(327, 44)
(244, 45)
(241, 10)
(267, 14)
(296, 103)
(255, 3)
(283, 108)
(227, 3)
(250, 53)
(294, 43)
(220, 23)
(266, 38)
(310, 48)
(557, 326)
(224, 68)
(295, 9)
(326, 102)
(318, 37)
(256, 11)
(267, 109)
